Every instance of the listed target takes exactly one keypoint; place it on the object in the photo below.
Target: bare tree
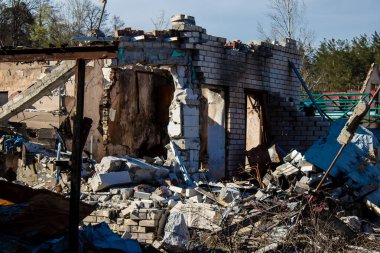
(83, 16)
(161, 22)
(287, 20)
(117, 22)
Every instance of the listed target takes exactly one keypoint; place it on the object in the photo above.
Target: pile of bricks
(135, 217)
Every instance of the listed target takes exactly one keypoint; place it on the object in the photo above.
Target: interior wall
(139, 113)
(213, 132)
(254, 121)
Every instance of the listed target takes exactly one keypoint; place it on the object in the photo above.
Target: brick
(103, 219)
(146, 236)
(90, 219)
(120, 221)
(141, 195)
(155, 214)
(138, 229)
(177, 189)
(135, 215)
(148, 223)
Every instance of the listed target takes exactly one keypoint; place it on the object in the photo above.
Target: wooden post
(76, 158)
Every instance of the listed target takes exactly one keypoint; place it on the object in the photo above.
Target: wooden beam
(58, 54)
(76, 157)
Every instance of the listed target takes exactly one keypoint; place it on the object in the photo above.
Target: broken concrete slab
(102, 181)
(141, 171)
(199, 215)
(110, 164)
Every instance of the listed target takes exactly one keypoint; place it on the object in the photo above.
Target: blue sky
(237, 19)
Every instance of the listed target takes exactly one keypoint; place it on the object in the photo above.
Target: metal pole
(331, 165)
(295, 70)
(76, 158)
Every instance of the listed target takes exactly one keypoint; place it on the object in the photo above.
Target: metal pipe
(76, 158)
(322, 113)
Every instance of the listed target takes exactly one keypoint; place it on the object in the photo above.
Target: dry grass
(303, 230)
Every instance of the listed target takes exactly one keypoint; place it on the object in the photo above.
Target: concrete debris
(177, 235)
(145, 203)
(105, 180)
(199, 215)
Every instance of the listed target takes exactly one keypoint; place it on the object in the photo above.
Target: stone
(177, 235)
(287, 170)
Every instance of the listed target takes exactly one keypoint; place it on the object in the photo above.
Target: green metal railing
(340, 105)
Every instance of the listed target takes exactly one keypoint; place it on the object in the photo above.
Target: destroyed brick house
(214, 100)
(190, 143)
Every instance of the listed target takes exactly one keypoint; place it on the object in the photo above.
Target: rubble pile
(158, 204)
